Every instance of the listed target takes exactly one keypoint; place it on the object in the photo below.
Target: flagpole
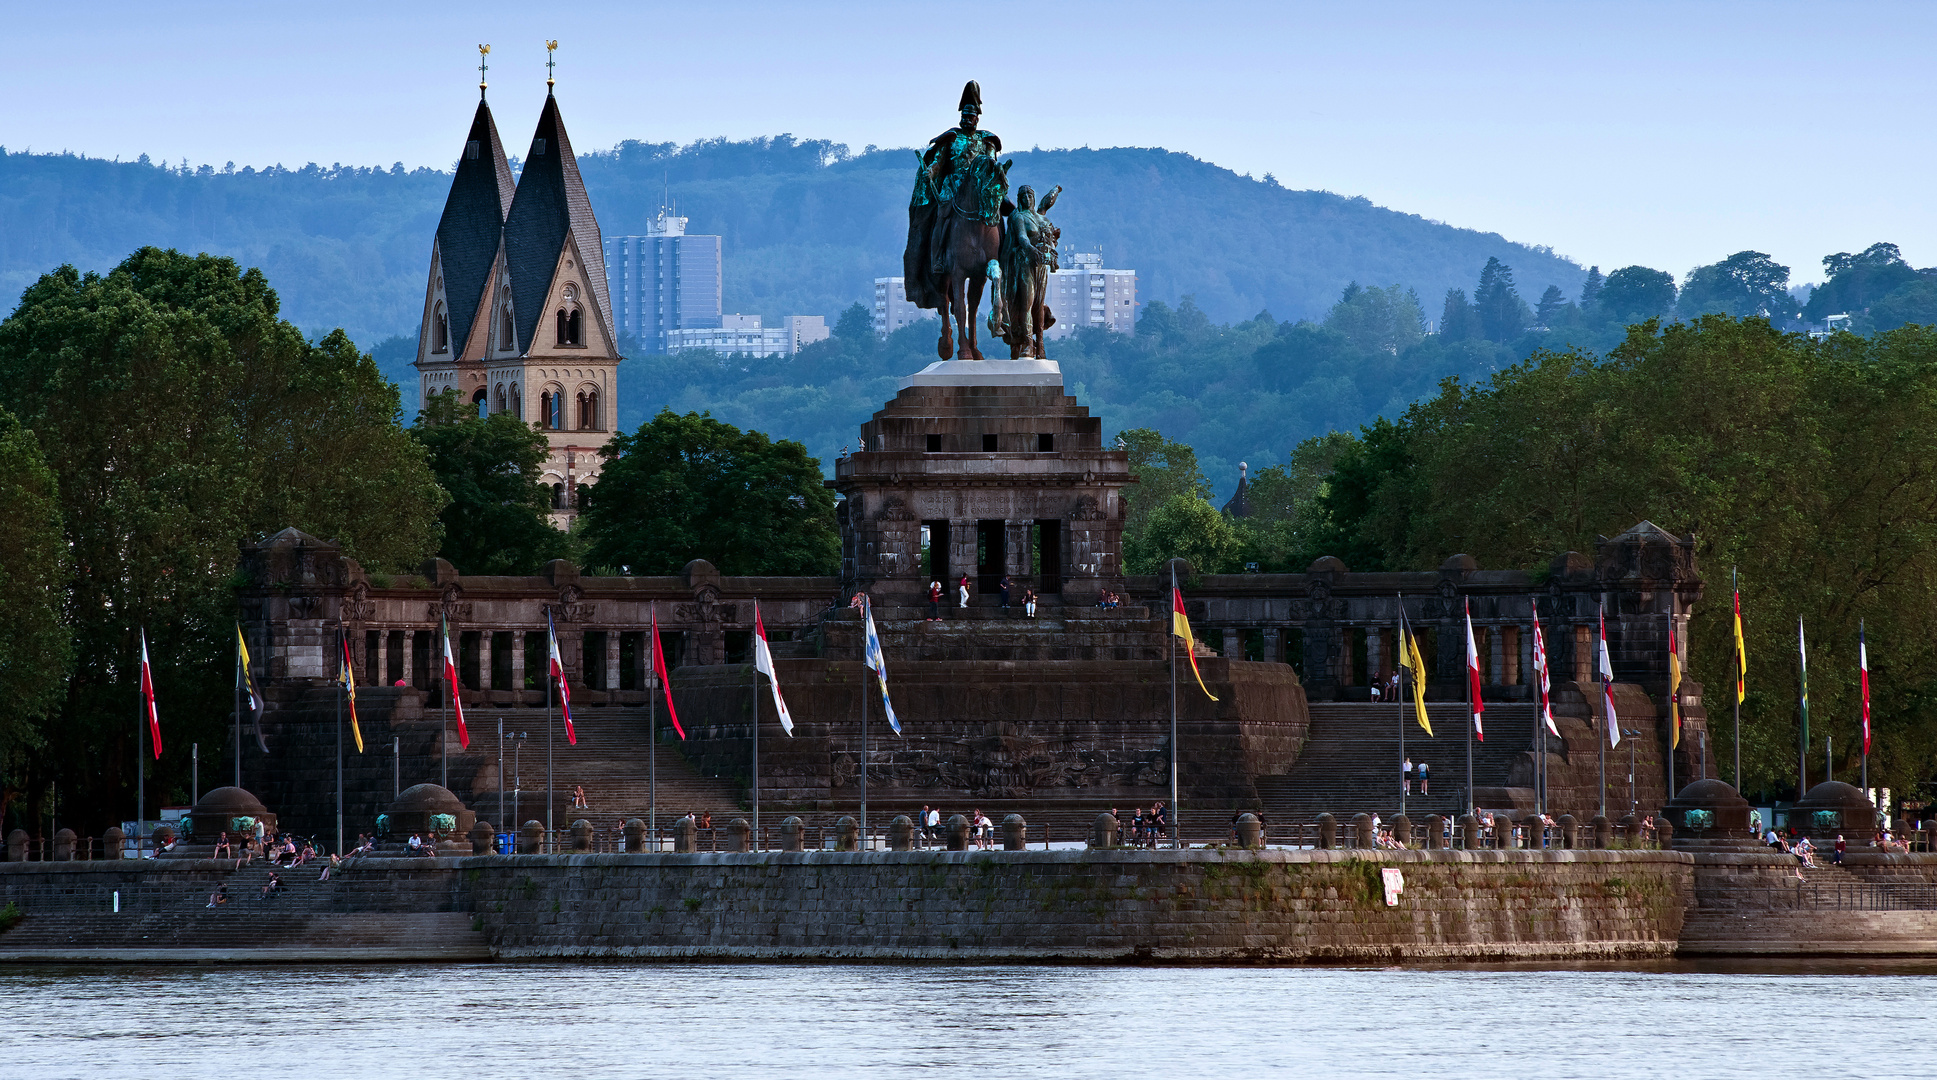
(753, 695)
(1471, 805)
(1405, 775)
(238, 714)
(141, 750)
(342, 688)
(444, 732)
(551, 793)
(864, 741)
(652, 738)
(1607, 720)
(1802, 700)
(1863, 650)
(1176, 812)
(1539, 715)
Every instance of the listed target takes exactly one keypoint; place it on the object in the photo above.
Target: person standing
(1006, 586)
(934, 601)
(1405, 774)
(962, 591)
(1423, 778)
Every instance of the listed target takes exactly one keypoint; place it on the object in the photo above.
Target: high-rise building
(744, 334)
(1083, 293)
(517, 316)
(664, 281)
(892, 311)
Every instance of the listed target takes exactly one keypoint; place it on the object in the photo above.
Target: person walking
(934, 601)
(1405, 774)
(1423, 778)
(962, 591)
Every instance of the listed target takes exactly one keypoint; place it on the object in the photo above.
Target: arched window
(558, 496)
(507, 333)
(498, 406)
(575, 326)
(588, 411)
(483, 402)
(553, 403)
(440, 331)
(571, 324)
(517, 403)
(582, 414)
(545, 409)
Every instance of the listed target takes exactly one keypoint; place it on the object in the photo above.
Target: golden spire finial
(483, 51)
(551, 47)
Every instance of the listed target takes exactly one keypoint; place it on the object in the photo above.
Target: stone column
(1103, 832)
(1536, 832)
(901, 833)
(1274, 645)
(1362, 834)
(114, 842)
(410, 668)
(847, 835)
(64, 845)
(1469, 828)
(1603, 831)
(1327, 831)
(481, 838)
(611, 660)
(1435, 832)
(1503, 837)
(383, 658)
(1347, 675)
(791, 834)
(1496, 656)
(635, 835)
(1402, 830)
(1248, 831)
(1570, 831)
(1374, 655)
(958, 833)
(1015, 833)
(686, 834)
(531, 837)
(1526, 661)
(581, 835)
(1233, 644)
(737, 832)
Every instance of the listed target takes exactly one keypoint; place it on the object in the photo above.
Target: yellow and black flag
(1415, 666)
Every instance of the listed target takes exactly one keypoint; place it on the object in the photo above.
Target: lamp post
(1634, 805)
(517, 777)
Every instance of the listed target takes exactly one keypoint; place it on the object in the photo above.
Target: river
(694, 1021)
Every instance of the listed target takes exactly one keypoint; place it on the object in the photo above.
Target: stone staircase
(986, 633)
(1350, 762)
(610, 762)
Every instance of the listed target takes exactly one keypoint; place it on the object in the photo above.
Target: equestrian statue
(964, 233)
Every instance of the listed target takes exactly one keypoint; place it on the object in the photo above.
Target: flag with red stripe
(763, 663)
(148, 696)
(450, 685)
(659, 669)
(558, 676)
(1607, 686)
(1863, 667)
(1473, 674)
(1542, 676)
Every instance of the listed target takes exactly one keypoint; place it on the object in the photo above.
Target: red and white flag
(450, 686)
(1541, 676)
(1473, 674)
(1607, 686)
(763, 663)
(659, 670)
(558, 676)
(148, 696)
(1863, 665)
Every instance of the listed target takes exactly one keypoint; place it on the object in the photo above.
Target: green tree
(1552, 303)
(1591, 288)
(1457, 319)
(181, 417)
(492, 467)
(1635, 294)
(1747, 283)
(35, 651)
(690, 487)
(856, 324)
(1188, 527)
(1378, 320)
(1503, 315)
(1913, 303)
(1858, 281)
(1163, 469)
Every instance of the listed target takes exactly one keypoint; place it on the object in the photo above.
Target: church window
(592, 412)
(471, 149)
(554, 406)
(483, 403)
(507, 334)
(517, 404)
(558, 496)
(440, 331)
(537, 148)
(499, 405)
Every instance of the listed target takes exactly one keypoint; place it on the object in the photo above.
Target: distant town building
(663, 282)
(892, 311)
(744, 334)
(1084, 293)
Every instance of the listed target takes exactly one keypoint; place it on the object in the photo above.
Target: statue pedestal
(987, 373)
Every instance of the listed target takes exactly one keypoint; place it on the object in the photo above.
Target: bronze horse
(968, 236)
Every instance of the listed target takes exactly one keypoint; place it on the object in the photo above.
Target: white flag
(763, 663)
(1541, 674)
(1607, 686)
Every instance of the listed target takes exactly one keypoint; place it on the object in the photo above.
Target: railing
(1869, 896)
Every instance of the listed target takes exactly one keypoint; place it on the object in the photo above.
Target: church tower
(466, 288)
(564, 371)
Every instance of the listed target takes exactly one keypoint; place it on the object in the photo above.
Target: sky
(1662, 134)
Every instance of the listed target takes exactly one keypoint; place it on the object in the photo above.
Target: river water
(694, 1021)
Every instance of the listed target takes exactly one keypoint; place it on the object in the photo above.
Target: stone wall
(1197, 905)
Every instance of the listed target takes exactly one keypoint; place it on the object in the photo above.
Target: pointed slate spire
(550, 206)
(473, 223)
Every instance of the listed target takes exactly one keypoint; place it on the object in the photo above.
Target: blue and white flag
(877, 665)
